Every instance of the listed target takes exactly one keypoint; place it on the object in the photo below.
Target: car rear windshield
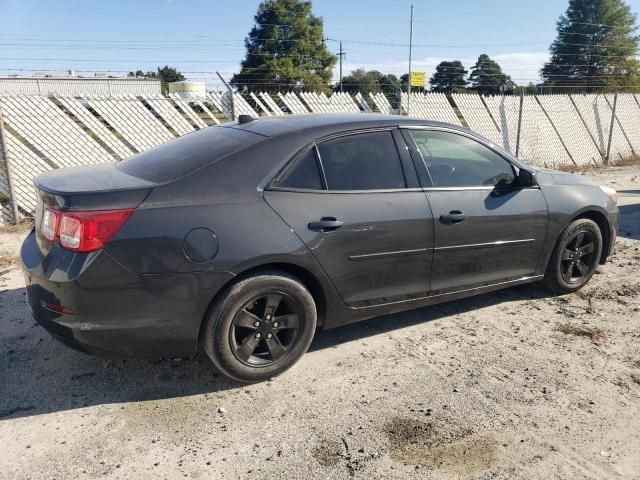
(187, 154)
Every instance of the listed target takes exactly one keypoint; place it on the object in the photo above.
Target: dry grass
(635, 361)
(8, 260)
(630, 161)
(22, 227)
(595, 334)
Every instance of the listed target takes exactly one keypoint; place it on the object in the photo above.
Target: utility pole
(410, 47)
(341, 54)
(611, 125)
(519, 124)
(6, 161)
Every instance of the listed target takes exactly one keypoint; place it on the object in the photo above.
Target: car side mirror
(526, 178)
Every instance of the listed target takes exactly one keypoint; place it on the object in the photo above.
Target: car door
(487, 230)
(355, 201)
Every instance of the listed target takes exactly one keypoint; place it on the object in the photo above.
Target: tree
(166, 75)
(530, 89)
(360, 80)
(486, 76)
(595, 47)
(285, 49)
(371, 81)
(389, 84)
(449, 77)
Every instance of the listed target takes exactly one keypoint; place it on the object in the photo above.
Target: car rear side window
(187, 154)
(458, 161)
(304, 173)
(365, 161)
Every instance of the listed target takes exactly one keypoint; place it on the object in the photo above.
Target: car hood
(555, 177)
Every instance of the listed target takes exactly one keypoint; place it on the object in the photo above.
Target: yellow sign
(418, 79)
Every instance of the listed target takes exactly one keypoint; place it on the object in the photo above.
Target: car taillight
(85, 231)
(49, 225)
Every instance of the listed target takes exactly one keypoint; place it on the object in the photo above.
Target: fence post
(6, 161)
(519, 124)
(613, 119)
(233, 101)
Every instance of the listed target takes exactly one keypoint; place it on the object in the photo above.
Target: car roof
(284, 124)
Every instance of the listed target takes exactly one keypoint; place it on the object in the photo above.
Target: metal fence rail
(47, 132)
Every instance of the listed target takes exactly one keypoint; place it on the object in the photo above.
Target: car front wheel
(575, 257)
(260, 326)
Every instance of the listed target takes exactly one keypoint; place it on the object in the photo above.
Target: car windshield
(187, 154)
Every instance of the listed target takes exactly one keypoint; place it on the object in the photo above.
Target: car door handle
(455, 216)
(326, 224)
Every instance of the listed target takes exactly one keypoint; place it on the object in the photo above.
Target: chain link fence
(40, 133)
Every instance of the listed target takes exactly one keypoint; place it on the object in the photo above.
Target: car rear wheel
(575, 257)
(260, 327)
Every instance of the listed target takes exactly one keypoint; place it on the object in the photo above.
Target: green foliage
(389, 84)
(166, 75)
(404, 82)
(486, 76)
(285, 50)
(596, 47)
(449, 77)
(371, 81)
(4, 199)
(361, 81)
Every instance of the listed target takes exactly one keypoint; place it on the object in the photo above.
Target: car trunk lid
(81, 189)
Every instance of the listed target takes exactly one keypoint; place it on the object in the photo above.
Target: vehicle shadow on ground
(630, 221)
(375, 326)
(39, 375)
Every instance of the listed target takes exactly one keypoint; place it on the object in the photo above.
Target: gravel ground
(514, 384)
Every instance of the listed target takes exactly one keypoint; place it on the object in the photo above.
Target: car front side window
(458, 161)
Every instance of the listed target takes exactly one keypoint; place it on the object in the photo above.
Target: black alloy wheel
(259, 326)
(264, 329)
(578, 256)
(575, 257)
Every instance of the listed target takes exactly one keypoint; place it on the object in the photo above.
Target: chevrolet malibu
(243, 239)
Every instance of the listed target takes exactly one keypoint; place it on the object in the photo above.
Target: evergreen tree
(285, 49)
(449, 77)
(595, 47)
(486, 76)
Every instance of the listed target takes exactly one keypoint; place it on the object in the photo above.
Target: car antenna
(242, 119)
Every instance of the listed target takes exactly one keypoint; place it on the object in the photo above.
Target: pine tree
(449, 77)
(285, 49)
(595, 47)
(486, 76)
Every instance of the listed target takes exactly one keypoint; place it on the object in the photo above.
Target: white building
(78, 86)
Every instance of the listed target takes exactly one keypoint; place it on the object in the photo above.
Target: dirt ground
(514, 384)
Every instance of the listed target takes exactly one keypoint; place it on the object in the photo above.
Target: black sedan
(243, 239)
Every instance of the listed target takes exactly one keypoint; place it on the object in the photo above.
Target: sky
(202, 37)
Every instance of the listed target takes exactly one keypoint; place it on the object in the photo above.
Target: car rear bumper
(112, 311)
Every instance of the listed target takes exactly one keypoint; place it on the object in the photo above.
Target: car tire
(575, 257)
(248, 338)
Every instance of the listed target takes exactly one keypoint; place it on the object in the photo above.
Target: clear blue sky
(200, 37)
